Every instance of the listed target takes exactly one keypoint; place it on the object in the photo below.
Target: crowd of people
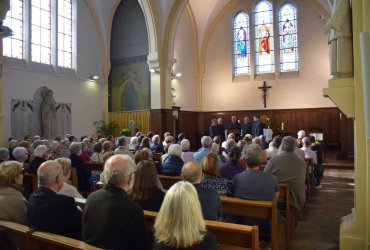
(113, 216)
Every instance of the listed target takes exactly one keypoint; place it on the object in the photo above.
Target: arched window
(288, 38)
(41, 31)
(65, 33)
(13, 45)
(264, 37)
(241, 50)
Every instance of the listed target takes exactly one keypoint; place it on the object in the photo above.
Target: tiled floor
(319, 226)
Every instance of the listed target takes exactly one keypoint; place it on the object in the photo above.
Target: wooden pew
(285, 208)
(96, 185)
(95, 166)
(157, 157)
(31, 181)
(74, 177)
(266, 210)
(168, 181)
(20, 234)
(50, 241)
(229, 236)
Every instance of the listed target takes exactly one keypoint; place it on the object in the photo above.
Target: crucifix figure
(264, 88)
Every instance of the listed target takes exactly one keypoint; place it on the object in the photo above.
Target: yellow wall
(141, 118)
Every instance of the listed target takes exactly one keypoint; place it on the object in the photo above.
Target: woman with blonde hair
(67, 189)
(180, 224)
(13, 206)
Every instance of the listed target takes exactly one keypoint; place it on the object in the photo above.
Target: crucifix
(264, 88)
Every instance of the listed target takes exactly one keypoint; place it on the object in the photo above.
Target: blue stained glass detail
(241, 49)
(288, 38)
(264, 37)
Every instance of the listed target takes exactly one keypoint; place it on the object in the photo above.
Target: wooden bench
(74, 177)
(265, 210)
(229, 236)
(26, 238)
(46, 241)
(20, 234)
(285, 208)
(96, 185)
(168, 181)
(31, 181)
(157, 157)
(95, 166)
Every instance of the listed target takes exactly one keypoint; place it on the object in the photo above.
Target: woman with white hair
(83, 173)
(186, 154)
(134, 143)
(13, 206)
(41, 154)
(185, 228)
(173, 163)
(20, 154)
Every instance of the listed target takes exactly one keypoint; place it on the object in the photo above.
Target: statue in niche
(48, 112)
(338, 26)
(132, 125)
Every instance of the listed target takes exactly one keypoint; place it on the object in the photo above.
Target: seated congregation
(156, 194)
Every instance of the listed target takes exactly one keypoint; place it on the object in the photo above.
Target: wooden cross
(264, 88)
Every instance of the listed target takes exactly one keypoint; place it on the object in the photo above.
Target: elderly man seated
(52, 212)
(111, 220)
(206, 142)
(209, 198)
(4, 154)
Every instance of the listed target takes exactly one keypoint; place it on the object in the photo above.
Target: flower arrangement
(269, 119)
(125, 132)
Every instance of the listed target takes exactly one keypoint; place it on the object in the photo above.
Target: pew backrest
(229, 236)
(168, 181)
(46, 241)
(74, 177)
(266, 210)
(20, 234)
(31, 180)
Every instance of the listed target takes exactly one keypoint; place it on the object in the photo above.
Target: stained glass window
(13, 45)
(41, 31)
(65, 33)
(288, 38)
(241, 50)
(264, 37)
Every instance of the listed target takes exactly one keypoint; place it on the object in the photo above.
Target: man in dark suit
(209, 198)
(246, 126)
(111, 219)
(52, 212)
(221, 129)
(213, 130)
(257, 128)
(157, 146)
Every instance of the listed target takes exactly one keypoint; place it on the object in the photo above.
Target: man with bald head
(110, 218)
(49, 211)
(209, 198)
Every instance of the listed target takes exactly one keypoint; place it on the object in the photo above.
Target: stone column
(2, 141)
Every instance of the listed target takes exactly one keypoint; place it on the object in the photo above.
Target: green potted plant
(105, 128)
(269, 119)
(125, 132)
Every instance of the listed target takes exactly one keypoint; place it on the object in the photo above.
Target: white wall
(186, 89)
(22, 79)
(220, 92)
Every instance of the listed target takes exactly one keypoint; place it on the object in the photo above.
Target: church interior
(174, 66)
